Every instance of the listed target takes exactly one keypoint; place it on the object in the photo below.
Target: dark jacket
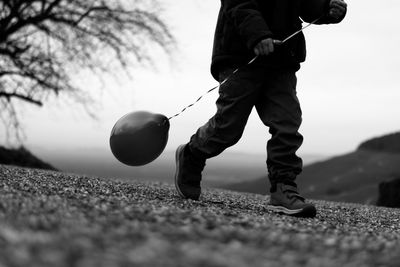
(243, 23)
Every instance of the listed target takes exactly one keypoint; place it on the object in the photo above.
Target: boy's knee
(232, 139)
(288, 125)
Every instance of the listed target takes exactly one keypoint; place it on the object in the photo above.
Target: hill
(353, 177)
(22, 157)
(387, 143)
(57, 219)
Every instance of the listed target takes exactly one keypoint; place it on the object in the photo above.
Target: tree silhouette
(42, 42)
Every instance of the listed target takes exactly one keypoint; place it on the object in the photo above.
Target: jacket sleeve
(310, 10)
(247, 20)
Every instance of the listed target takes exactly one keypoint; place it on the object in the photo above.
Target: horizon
(230, 164)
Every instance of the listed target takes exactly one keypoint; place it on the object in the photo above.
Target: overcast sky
(349, 85)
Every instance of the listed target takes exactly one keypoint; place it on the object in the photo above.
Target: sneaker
(286, 199)
(188, 173)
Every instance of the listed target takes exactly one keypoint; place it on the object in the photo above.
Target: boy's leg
(236, 100)
(279, 109)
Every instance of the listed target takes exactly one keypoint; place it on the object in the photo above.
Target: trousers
(273, 94)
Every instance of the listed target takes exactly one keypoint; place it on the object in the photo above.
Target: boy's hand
(337, 10)
(265, 47)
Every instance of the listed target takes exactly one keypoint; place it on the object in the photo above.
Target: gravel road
(57, 219)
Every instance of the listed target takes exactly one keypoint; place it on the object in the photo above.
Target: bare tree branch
(43, 41)
(25, 98)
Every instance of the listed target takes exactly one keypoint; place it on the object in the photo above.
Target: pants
(273, 93)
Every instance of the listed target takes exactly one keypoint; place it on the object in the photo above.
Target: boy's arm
(247, 19)
(329, 11)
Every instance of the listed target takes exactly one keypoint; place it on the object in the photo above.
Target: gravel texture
(57, 219)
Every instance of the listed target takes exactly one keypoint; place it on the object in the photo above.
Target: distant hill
(353, 177)
(23, 158)
(388, 143)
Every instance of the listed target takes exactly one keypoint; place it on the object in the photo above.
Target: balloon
(139, 137)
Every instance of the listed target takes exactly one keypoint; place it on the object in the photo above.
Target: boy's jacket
(243, 23)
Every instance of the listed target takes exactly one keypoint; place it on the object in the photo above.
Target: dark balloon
(139, 137)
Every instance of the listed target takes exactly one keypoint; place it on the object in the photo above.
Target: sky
(348, 87)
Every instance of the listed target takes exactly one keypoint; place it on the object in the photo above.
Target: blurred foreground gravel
(57, 219)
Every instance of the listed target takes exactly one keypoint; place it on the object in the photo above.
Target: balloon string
(212, 89)
(236, 70)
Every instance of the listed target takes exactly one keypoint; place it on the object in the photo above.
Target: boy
(246, 28)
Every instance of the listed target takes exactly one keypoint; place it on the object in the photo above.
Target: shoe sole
(178, 150)
(305, 212)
